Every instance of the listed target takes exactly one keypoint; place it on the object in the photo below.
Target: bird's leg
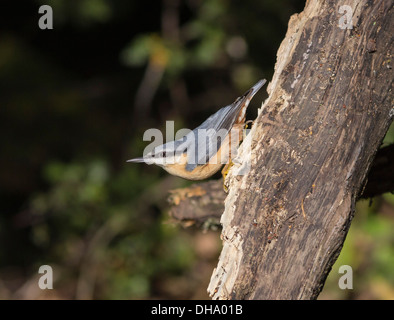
(246, 127)
(247, 123)
(241, 135)
(225, 171)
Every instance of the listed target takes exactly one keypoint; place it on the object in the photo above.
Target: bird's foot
(225, 171)
(247, 124)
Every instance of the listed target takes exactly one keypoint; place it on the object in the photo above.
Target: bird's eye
(164, 154)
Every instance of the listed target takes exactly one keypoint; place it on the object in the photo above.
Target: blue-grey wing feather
(213, 130)
(216, 128)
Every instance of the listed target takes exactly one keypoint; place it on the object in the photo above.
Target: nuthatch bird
(202, 152)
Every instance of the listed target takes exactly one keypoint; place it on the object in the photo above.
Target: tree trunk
(311, 147)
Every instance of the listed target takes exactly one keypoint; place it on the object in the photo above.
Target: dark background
(74, 104)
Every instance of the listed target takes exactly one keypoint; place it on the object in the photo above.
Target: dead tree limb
(206, 203)
(331, 97)
(200, 203)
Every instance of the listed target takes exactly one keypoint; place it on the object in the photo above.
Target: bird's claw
(225, 171)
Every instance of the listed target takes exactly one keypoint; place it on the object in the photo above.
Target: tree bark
(200, 204)
(205, 204)
(311, 147)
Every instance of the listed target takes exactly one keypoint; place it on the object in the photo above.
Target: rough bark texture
(205, 204)
(199, 204)
(331, 98)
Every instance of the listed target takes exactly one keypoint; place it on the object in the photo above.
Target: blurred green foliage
(74, 103)
(91, 221)
(80, 13)
(369, 250)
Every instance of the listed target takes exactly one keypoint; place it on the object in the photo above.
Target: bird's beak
(137, 160)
